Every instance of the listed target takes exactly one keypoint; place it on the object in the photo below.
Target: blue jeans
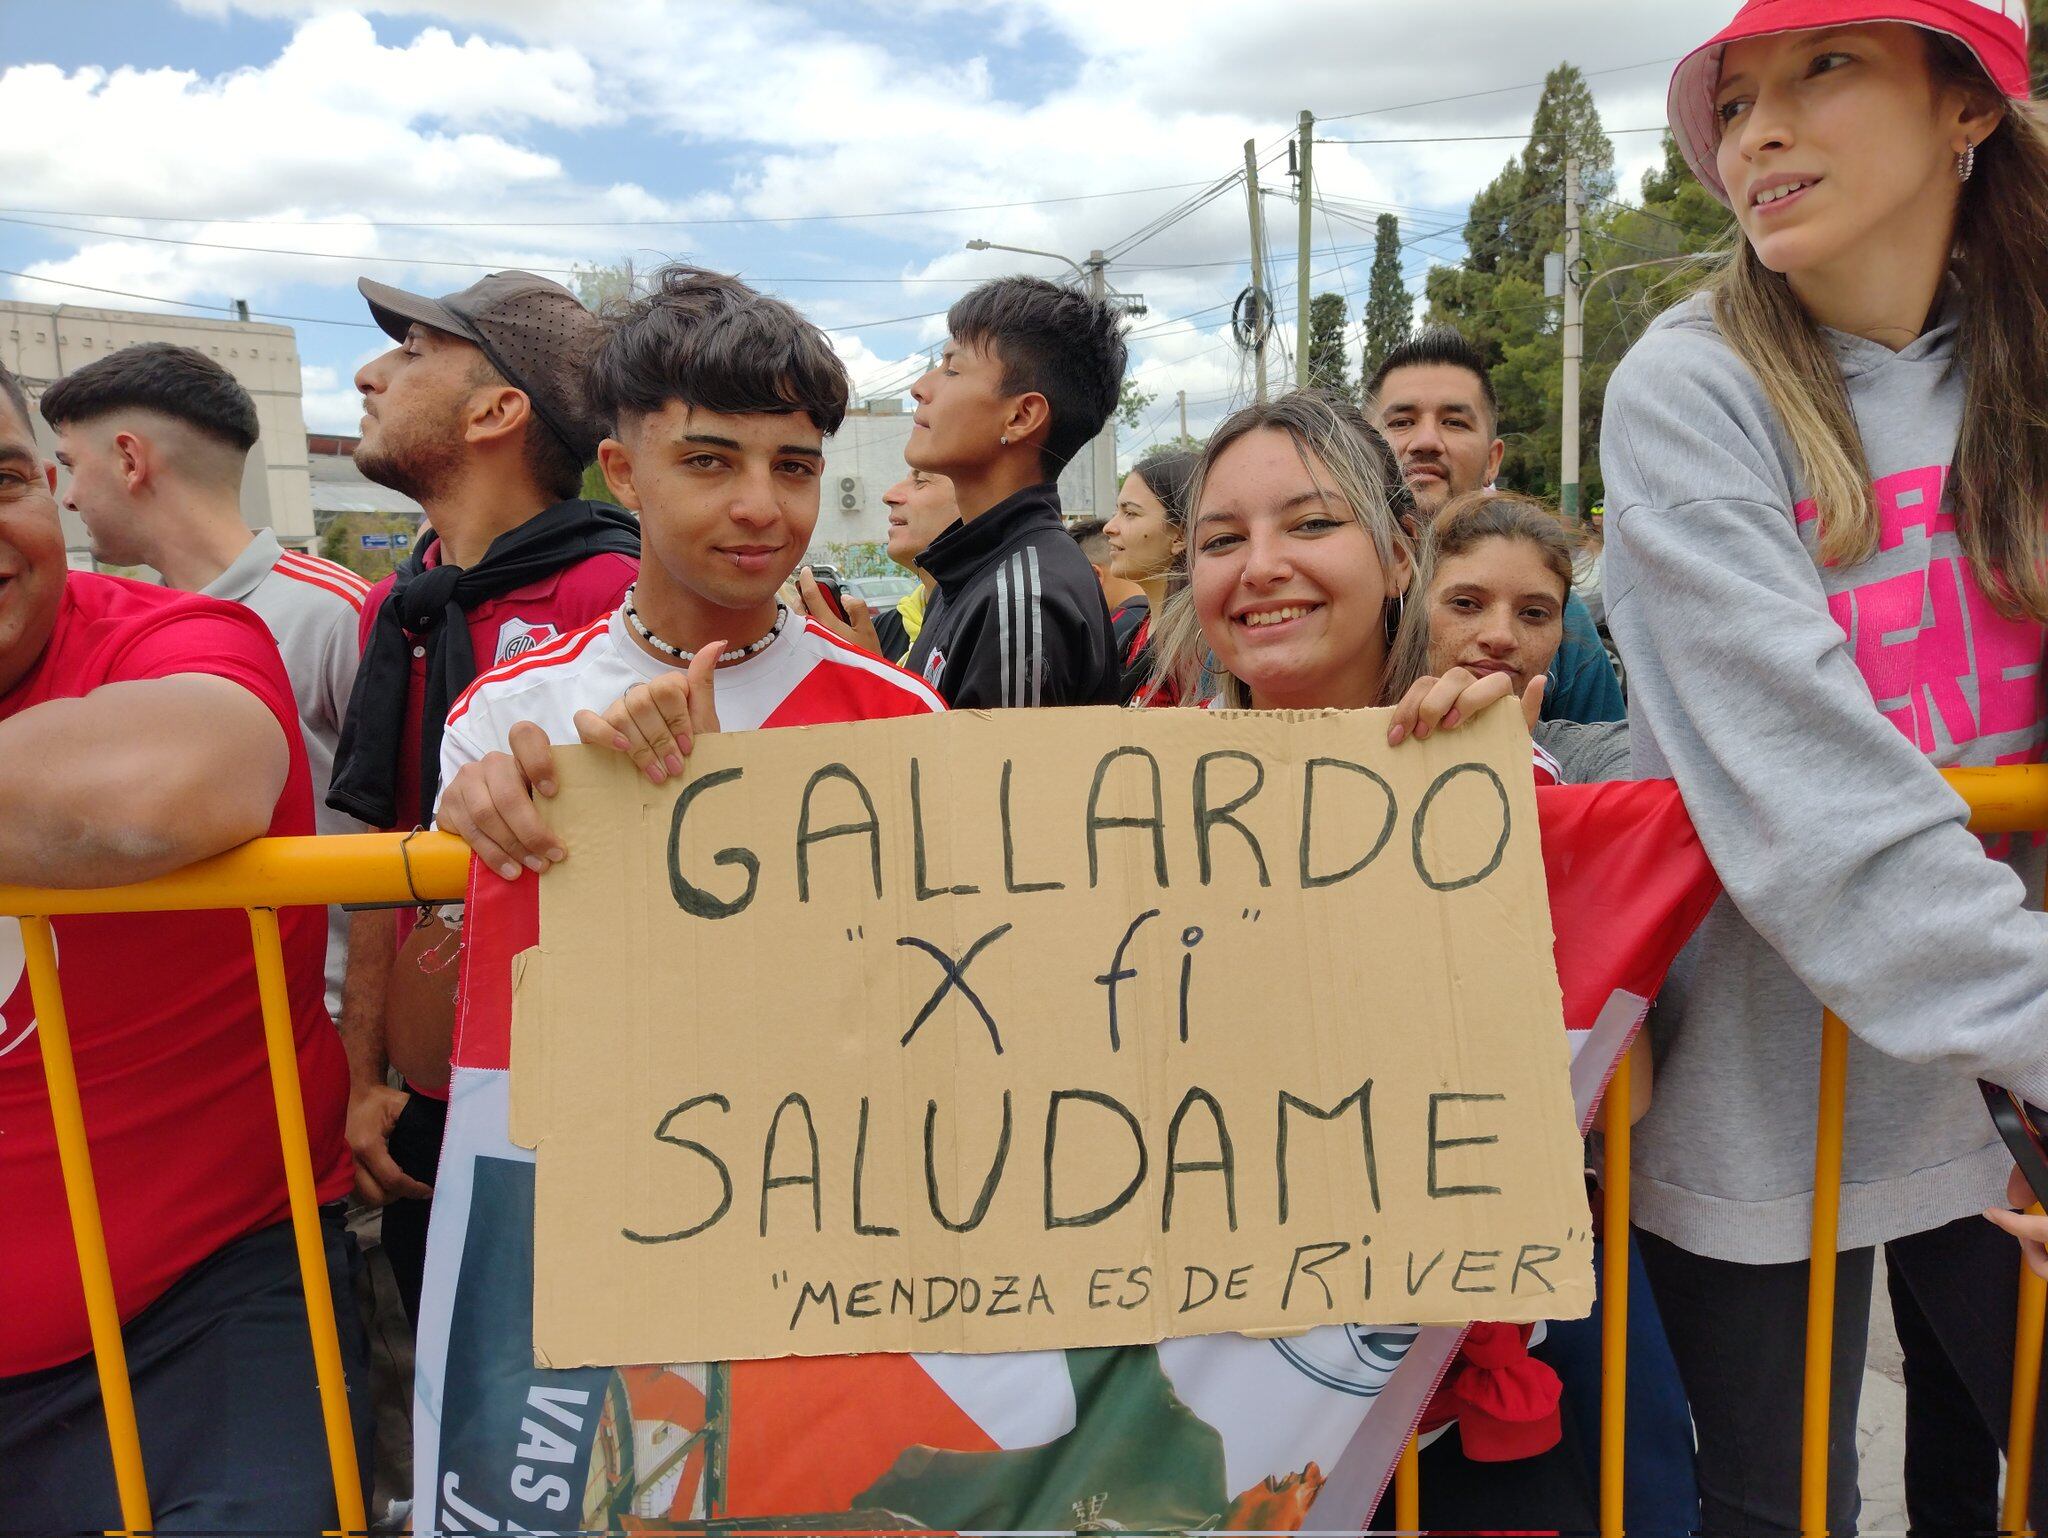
(1662, 1491)
(225, 1401)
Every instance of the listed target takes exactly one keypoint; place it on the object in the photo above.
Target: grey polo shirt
(314, 610)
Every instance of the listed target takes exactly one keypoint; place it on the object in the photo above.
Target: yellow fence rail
(269, 874)
(259, 878)
(2011, 799)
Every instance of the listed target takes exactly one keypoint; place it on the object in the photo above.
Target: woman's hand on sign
(1454, 699)
(489, 805)
(859, 625)
(2030, 1229)
(655, 723)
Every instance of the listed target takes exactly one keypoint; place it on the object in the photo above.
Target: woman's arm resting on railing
(135, 780)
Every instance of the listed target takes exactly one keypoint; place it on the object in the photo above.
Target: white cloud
(777, 108)
(330, 404)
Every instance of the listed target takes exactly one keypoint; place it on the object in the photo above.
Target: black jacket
(1018, 618)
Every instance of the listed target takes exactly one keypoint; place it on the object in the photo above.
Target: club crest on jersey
(934, 666)
(517, 638)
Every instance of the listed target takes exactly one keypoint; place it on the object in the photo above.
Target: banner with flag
(1221, 1432)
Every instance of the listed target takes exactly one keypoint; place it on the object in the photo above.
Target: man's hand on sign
(372, 1113)
(1454, 699)
(859, 625)
(2030, 1229)
(489, 805)
(655, 723)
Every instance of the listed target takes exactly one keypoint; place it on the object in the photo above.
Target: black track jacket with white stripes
(1018, 618)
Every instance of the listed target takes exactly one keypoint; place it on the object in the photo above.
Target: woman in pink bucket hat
(1827, 571)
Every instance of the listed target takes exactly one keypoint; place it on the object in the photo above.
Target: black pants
(226, 1402)
(415, 1148)
(1549, 1493)
(1739, 1334)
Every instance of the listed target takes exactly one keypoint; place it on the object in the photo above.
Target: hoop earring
(1397, 606)
(1966, 163)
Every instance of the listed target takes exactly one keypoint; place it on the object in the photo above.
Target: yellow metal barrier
(2008, 799)
(388, 868)
(259, 878)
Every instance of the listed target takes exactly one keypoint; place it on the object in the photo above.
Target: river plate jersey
(806, 677)
(1217, 1431)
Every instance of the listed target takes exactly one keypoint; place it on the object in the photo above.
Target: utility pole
(1574, 345)
(1304, 207)
(1183, 413)
(1251, 189)
(1105, 441)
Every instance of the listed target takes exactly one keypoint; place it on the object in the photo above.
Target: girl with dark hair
(1827, 572)
(1492, 580)
(1147, 540)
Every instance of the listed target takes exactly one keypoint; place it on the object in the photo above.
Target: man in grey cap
(481, 415)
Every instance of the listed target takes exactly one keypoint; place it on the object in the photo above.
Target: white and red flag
(1219, 1432)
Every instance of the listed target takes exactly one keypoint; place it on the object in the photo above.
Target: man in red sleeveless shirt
(140, 730)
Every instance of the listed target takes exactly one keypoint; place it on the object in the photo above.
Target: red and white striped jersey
(313, 609)
(806, 677)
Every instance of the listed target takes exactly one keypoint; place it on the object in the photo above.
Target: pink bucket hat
(1993, 30)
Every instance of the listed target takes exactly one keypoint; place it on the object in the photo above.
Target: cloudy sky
(840, 153)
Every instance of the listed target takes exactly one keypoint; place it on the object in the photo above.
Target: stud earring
(1966, 163)
(1006, 438)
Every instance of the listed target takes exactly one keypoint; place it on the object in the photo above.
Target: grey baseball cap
(535, 332)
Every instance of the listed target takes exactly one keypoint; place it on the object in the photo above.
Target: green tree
(2037, 42)
(1495, 296)
(342, 541)
(1131, 401)
(1328, 368)
(601, 283)
(1389, 307)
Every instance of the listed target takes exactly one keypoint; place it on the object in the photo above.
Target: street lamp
(1094, 273)
(1095, 259)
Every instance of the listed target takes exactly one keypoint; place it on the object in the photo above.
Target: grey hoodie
(1802, 711)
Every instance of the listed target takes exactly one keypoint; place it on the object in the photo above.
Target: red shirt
(166, 1027)
(501, 629)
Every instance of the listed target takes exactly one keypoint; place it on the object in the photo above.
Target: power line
(1646, 213)
(1184, 209)
(1480, 138)
(190, 304)
(320, 320)
(596, 224)
(423, 261)
(1500, 90)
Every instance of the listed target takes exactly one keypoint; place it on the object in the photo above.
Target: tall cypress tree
(1389, 307)
(1328, 368)
(1495, 295)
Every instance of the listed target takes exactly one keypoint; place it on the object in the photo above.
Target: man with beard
(1434, 400)
(140, 730)
(480, 414)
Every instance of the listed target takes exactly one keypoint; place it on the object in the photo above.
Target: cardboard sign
(1062, 1028)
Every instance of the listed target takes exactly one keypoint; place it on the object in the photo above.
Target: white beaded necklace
(725, 659)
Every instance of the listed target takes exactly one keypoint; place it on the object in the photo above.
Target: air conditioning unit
(853, 495)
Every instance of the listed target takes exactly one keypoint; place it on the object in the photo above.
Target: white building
(865, 458)
(41, 343)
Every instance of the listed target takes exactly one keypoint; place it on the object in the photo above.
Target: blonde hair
(1334, 440)
(2000, 264)
(1462, 526)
